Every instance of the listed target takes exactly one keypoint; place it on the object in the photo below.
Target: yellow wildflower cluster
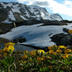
(52, 47)
(62, 47)
(67, 51)
(59, 50)
(56, 58)
(65, 55)
(9, 47)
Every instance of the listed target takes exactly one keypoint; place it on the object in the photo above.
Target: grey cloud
(40, 3)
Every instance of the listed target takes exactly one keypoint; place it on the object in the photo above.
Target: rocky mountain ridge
(16, 12)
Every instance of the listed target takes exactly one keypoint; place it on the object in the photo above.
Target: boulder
(62, 39)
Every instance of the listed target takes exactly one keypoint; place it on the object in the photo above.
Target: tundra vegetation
(56, 59)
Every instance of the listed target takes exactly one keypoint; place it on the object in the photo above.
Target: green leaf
(44, 69)
(7, 61)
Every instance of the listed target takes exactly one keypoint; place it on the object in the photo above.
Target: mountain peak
(56, 17)
(16, 12)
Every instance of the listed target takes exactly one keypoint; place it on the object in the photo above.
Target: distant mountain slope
(16, 12)
(56, 17)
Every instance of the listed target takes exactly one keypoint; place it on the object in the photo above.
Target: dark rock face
(5, 28)
(3, 14)
(48, 22)
(62, 39)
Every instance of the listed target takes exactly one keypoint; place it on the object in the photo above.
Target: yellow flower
(54, 53)
(40, 58)
(67, 51)
(25, 56)
(5, 49)
(62, 47)
(9, 43)
(58, 51)
(51, 47)
(43, 57)
(70, 31)
(33, 53)
(65, 56)
(9, 47)
(41, 51)
(51, 51)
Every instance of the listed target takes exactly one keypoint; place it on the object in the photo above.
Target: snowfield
(36, 35)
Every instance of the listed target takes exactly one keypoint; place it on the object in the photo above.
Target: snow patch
(16, 9)
(11, 16)
(23, 17)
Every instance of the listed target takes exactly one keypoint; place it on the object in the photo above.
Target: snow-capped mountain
(56, 17)
(16, 12)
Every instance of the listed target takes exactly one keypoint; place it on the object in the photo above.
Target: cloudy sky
(62, 7)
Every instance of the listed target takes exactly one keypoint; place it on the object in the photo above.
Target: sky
(62, 7)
